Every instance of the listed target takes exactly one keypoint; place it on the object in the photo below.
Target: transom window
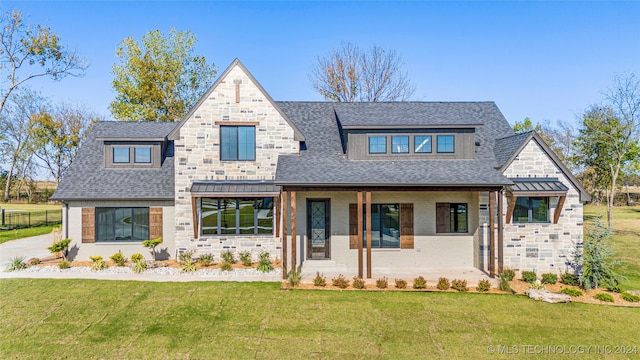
(377, 144)
(385, 226)
(531, 210)
(422, 144)
(400, 144)
(446, 143)
(121, 155)
(237, 143)
(236, 216)
(122, 224)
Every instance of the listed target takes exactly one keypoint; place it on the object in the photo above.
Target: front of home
(359, 188)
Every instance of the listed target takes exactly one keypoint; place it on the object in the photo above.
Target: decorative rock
(547, 296)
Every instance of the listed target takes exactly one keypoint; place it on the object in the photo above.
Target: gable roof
(87, 177)
(297, 135)
(508, 148)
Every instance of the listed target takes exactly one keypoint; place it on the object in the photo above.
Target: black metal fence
(26, 219)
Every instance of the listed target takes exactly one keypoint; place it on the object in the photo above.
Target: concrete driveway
(28, 248)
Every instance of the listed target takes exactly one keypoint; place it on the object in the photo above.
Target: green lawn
(30, 207)
(7, 235)
(79, 319)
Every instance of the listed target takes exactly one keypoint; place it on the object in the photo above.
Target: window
(446, 144)
(385, 226)
(531, 209)
(142, 155)
(228, 216)
(422, 144)
(122, 224)
(452, 218)
(121, 155)
(237, 143)
(377, 144)
(400, 144)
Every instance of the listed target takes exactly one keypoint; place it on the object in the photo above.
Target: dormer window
(121, 155)
(142, 154)
(377, 144)
(132, 154)
(446, 144)
(422, 144)
(400, 144)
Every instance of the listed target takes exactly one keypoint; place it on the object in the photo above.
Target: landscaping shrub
(529, 276)
(503, 284)
(537, 285)
(549, 278)
(139, 265)
(401, 284)
(98, 263)
(419, 283)
(382, 283)
(151, 244)
(569, 279)
(61, 247)
(294, 278)
(64, 264)
(604, 297)
(205, 259)
(17, 263)
(340, 282)
(484, 285)
(460, 285)
(225, 266)
(508, 274)
(319, 280)
(186, 256)
(264, 263)
(597, 259)
(118, 258)
(188, 266)
(245, 258)
(630, 297)
(613, 288)
(571, 292)
(358, 282)
(443, 284)
(137, 257)
(228, 257)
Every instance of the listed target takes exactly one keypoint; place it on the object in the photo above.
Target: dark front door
(318, 229)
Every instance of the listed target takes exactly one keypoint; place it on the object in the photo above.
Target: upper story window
(142, 154)
(446, 143)
(531, 210)
(237, 143)
(121, 155)
(132, 155)
(377, 144)
(400, 144)
(422, 144)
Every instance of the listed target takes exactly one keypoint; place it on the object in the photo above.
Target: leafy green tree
(525, 126)
(350, 74)
(159, 78)
(28, 52)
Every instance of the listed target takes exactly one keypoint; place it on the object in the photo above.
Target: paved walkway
(28, 248)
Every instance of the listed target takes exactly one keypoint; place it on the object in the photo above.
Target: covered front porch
(393, 232)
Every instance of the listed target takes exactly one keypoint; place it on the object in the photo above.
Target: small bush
(225, 266)
(460, 285)
(340, 282)
(98, 263)
(419, 283)
(503, 284)
(205, 259)
(630, 297)
(245, 258)
(537, 285)
(137, 257)
(443, 283)
(613, 288)
(508, 274)
(319, 280)
(569, 279)
(186, 256)
(33, 261)
(118, 258)
(17, 263)
(382, 283)
(264, 263)
(188, 266)
(64, 264)
(401, 284)
(139, 265)
(358, 282)
(228, 257)
(571, 292)
(484, 285)
(60, 247)
(294, 278)
(604, 297)
(549, 278)
(529, 276)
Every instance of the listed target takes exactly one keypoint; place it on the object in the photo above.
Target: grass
(30, 207)
(8, 235)
(626, 237)
(78, 319)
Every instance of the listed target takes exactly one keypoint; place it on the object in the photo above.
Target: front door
(318, 229)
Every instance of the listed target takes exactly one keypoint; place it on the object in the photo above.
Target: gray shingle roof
(87, 177)
(506, 147)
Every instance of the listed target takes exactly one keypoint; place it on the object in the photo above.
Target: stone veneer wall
(542, 247)
(197, 158)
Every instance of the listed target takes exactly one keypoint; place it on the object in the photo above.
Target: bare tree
(37, 48)
(350, 74)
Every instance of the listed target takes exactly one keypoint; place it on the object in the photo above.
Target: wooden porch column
(285, 211)
(360, 265)
(500, 232)
(368, 220)
(293, 231)
(492, 235)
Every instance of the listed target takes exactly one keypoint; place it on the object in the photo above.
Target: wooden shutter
(155, 222)
(406, 226)
(443, 223)
(88, 225)
(353, 226)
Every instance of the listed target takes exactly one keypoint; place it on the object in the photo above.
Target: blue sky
(544, 60)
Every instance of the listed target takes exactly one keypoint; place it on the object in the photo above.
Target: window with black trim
(422, 144)
(531, 210)
(121, 155)
(122, 224)
(400, 144)
(385, 226)
(142, 154)
(446, 143)
(452, 218)
(237, 143)
(236, 216)
(377, 144)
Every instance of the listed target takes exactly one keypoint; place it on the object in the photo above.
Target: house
(355, 187)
